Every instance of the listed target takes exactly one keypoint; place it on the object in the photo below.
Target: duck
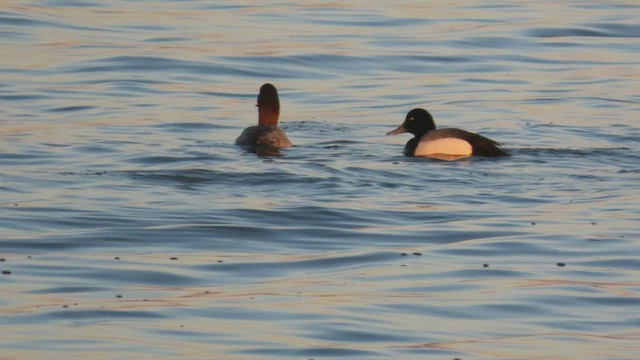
(265, 136)
(443, 144)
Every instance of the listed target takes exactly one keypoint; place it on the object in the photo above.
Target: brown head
(268, 105)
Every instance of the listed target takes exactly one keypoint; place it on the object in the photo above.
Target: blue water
(131, 226)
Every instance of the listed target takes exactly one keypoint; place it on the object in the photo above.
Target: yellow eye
(411, 119)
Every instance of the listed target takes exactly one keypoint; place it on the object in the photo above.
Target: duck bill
(401, 129)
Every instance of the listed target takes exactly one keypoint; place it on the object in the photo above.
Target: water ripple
(131, 225)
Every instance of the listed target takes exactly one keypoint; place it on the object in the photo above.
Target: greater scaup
(446, 144)
(266, 135)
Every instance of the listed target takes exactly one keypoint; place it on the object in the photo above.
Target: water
(131, 226)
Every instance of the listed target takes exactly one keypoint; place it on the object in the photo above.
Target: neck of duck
(267, 116)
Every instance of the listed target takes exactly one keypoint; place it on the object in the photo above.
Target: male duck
(266, 135)
(445, 144)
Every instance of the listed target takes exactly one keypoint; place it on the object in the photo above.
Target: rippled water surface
(131, 226)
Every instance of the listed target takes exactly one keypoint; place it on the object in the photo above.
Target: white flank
(447, 146)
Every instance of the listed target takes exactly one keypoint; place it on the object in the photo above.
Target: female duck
(446, 144)
(266, 135)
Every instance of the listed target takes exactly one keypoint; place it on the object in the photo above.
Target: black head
(268, 105)
(418, 122)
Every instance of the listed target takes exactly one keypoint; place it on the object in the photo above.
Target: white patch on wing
(446, 146)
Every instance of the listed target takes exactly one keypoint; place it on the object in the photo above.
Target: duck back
(264, 136)
(480, 145)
